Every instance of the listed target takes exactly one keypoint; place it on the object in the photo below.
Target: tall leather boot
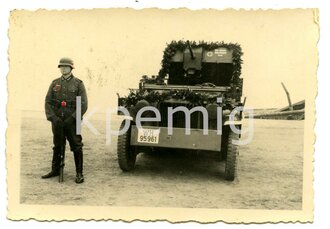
(78, 160)
(55, 166)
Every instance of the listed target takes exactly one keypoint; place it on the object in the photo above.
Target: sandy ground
(269, 173)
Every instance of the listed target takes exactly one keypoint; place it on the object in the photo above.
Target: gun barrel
(60, 179)
(61, 175)
(190, 50)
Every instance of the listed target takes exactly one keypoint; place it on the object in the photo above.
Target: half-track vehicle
(191, 104)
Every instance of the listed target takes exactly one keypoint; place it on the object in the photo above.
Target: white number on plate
(148, 136)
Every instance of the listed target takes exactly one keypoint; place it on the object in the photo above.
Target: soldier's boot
(55, 167)
(78, 159)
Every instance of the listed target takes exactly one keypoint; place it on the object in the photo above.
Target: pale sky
(112, 49)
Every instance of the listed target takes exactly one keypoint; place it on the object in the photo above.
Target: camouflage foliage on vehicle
(174, 46)
(194, 98)
(154, 97)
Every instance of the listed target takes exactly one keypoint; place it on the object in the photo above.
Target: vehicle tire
(231, 159)
(224, 142)
(126, 153)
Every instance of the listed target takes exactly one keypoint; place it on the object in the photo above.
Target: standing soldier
(60, 108)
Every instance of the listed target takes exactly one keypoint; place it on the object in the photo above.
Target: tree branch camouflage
(194, 98)
(154, 97)
(181, 45)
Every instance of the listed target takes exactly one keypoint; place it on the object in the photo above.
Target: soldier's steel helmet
(65, 61)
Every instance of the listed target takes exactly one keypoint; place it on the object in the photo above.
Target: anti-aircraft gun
(191, 104)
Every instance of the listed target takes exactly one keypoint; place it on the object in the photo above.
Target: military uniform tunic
(65, 91)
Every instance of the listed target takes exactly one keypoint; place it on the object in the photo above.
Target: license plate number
(148, 136)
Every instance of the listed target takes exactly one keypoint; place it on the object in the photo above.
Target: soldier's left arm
(84, 101)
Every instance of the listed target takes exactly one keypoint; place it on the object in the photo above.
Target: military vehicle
(193, 74)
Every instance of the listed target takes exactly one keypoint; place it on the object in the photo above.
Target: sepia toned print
(157, 61)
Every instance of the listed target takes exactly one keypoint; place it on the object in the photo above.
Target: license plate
(148, 136)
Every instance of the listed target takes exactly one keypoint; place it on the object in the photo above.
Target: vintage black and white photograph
(154, 114)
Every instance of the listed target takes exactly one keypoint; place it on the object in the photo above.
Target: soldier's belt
(58, 103)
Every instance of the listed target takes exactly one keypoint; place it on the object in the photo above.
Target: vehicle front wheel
(231, 159)
(126, 153)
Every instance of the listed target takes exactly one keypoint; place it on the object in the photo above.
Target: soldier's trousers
(75, 141)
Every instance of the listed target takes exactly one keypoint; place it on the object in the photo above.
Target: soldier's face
(65, 70)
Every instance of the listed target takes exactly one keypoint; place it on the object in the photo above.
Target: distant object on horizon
(296, 106)
(296, 112)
